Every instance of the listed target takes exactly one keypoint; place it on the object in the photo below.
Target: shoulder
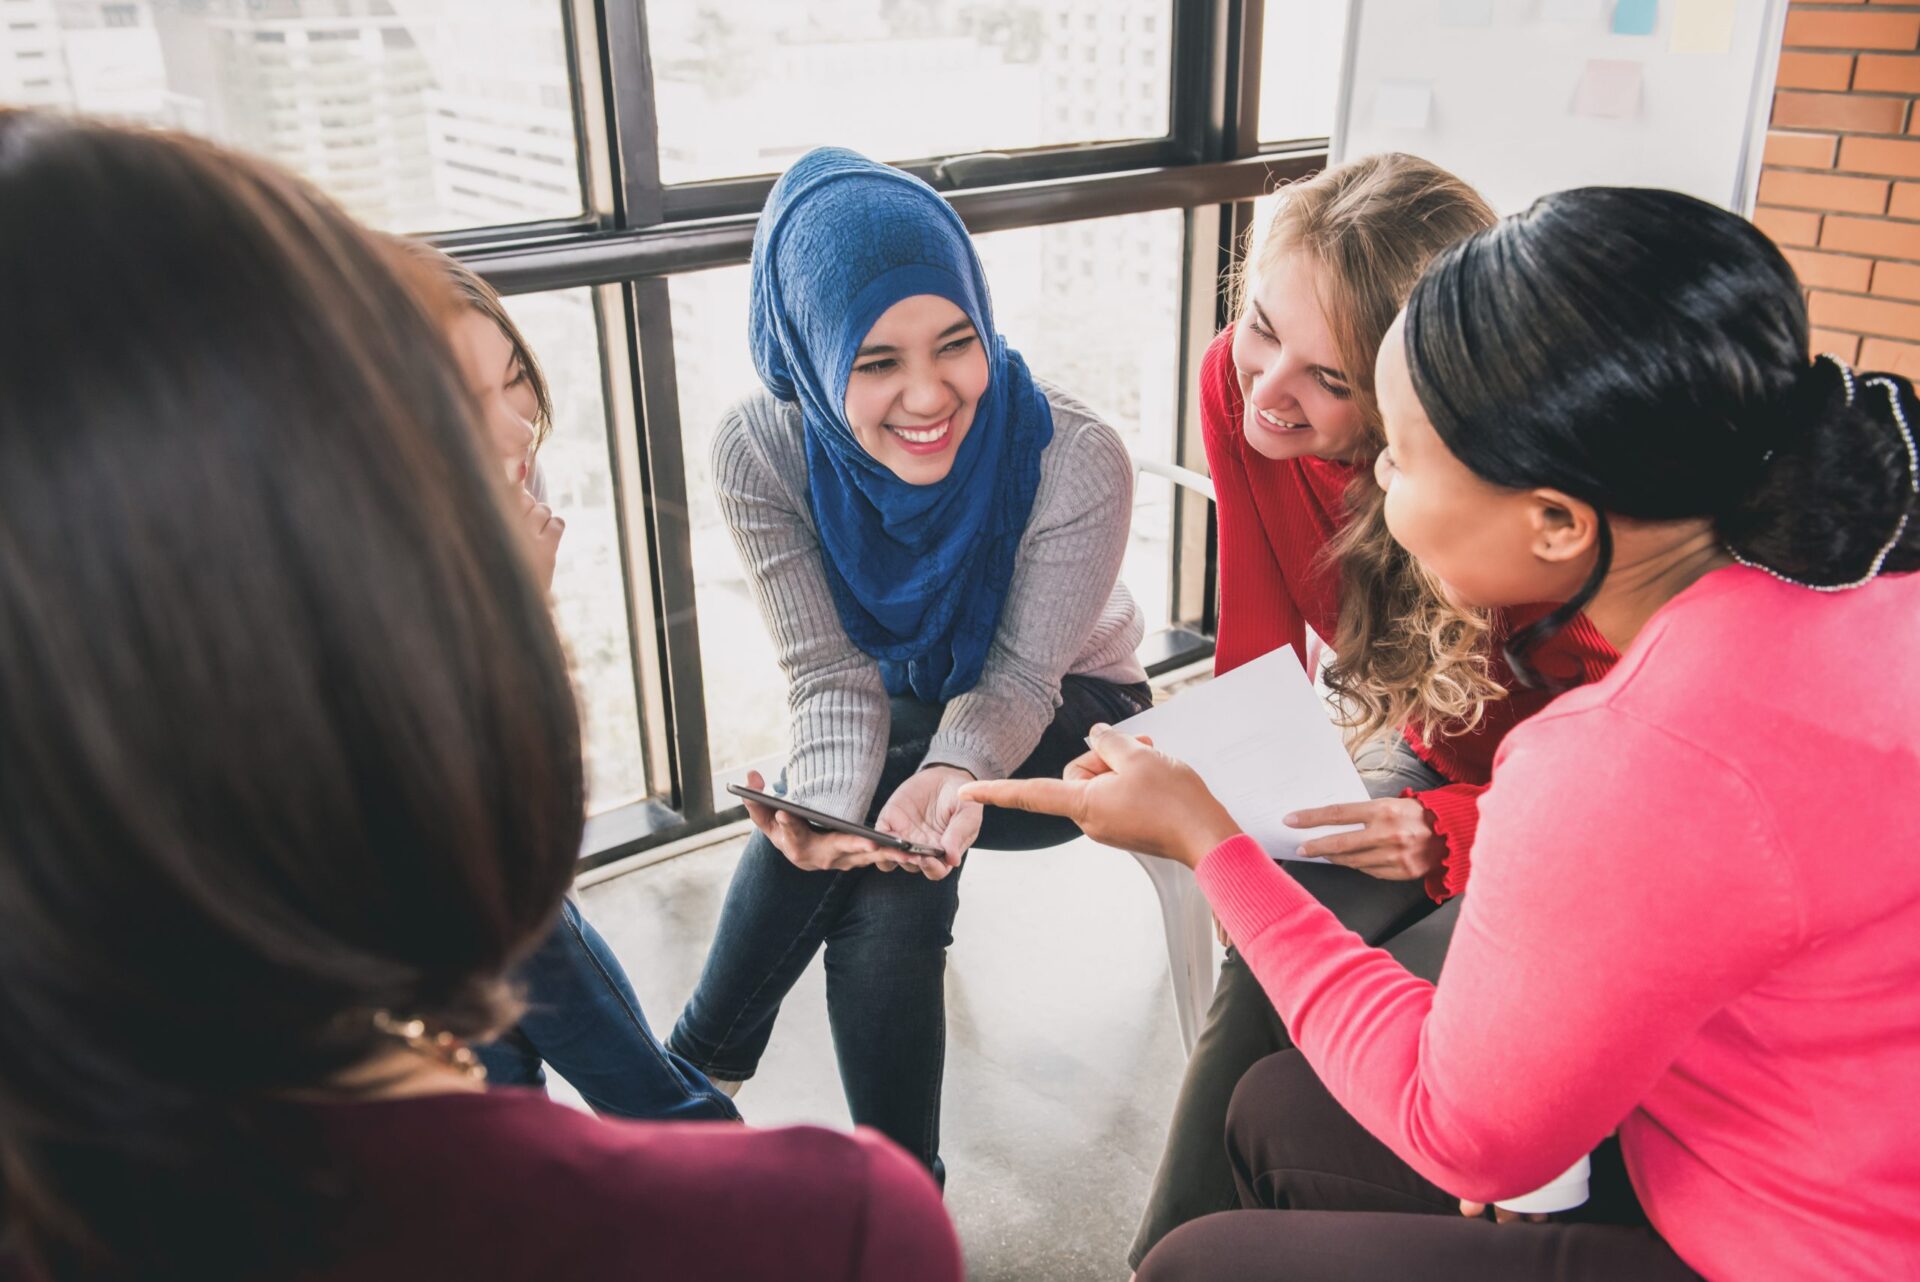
(1219, 388)
(759, 437)
(1084, 446)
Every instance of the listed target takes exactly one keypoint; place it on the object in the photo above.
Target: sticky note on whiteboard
(1402, 104)
(1702, 26)
(1635, 17)
(1609, 88)
(1466, 13)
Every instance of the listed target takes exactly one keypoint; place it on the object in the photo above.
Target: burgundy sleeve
(906, 1233)
(1456, 818)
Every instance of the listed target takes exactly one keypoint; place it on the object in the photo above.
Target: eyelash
(886, 363)
(519, 377)
(1331, 389)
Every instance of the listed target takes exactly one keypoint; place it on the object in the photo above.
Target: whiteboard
(1513, 105)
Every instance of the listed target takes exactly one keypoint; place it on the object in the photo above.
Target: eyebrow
(874, 349)
(1267, 324)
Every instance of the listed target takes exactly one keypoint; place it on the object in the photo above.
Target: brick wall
(1840, 186)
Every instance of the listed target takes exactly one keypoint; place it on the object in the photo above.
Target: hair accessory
(1913, 484)
(443, 1046)
(1846, 372)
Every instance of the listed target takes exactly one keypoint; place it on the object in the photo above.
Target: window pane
(1093, 306)
(588, 587)
(746, 86)
(417, 115)
(1300, 68)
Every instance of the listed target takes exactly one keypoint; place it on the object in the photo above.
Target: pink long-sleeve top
(1695, 917)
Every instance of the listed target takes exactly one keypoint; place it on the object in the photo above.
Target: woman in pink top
(1709, 943)
(290, 777)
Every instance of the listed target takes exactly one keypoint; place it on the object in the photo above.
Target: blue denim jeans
(885, 935)
(584, 1020)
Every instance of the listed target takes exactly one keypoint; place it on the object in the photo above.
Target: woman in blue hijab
(934, 537)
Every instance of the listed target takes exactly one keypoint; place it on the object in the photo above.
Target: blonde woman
(1292, 432)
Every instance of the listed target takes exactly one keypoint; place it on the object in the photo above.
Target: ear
(1564, 528)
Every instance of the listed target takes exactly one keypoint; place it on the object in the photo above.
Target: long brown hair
(452, 286)
(1370, 227)
(287, 730)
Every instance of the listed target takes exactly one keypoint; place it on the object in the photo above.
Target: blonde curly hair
(1402, 652)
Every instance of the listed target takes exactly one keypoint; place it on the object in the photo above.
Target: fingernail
(1290, 820)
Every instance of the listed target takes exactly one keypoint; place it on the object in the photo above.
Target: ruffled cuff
(1456, 817)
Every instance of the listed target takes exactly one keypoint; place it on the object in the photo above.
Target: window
(741, 81)
(590, 599)
(1300, 68)
(224, 69)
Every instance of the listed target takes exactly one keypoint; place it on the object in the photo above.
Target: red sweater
(1695, 917)
(1276, 519)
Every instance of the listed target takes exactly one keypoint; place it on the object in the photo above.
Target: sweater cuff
(1247, 889)
(952, 750)
(1456, 817)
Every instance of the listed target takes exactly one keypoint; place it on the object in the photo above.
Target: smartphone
(829, 823)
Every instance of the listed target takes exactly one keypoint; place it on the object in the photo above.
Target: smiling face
(501, 385)
(917, 378)
(1487, 545)
(1299, 400)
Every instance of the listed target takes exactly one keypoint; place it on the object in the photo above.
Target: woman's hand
(542, 530)
(1397, 844)
(805, 847)
(1501, 1215)
(1124, 794)
(928, 810)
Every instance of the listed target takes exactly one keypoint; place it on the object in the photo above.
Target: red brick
(1830, 71)
(1880, 156)
(1897, 358)
(1845, 346)
(1886, 73)
(1817, 29)
(1897, 280)
(1800, 151)
(1825, 192)
(1831, 271)
(1788, 226)
(1906, 201)
(1848, 113)
(1874, 236)
(1863, 315)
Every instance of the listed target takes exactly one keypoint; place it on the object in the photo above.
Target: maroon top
(508, 1186)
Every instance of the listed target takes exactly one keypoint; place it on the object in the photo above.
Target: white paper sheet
(1261, 738)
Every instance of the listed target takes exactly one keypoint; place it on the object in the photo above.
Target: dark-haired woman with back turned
(1696, 907)
(290, 777)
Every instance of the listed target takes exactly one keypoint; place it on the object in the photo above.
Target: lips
(929, 438)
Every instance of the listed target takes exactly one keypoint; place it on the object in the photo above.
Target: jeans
(885, 935)
(584, 1020)
(1242, 1027)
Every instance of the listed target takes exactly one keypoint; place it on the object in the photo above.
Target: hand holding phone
(815, 840)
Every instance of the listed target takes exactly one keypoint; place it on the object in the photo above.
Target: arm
(1063, 579)
(1257, 612)
(1454, 811)
(1608, 922)
(836, 699)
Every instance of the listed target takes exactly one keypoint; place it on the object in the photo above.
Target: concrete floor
(1062, 1054)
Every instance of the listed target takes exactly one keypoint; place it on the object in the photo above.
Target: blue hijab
(918, 572)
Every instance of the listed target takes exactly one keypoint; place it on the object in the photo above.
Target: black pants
(1327, 1202)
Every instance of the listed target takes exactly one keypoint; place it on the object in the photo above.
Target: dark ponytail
(1646, 352)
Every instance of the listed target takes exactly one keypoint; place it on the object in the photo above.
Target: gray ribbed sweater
(1066, 610)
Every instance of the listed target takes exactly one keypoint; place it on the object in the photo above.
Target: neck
(1652, 564)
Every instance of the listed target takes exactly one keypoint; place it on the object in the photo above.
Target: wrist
(1207, 838)
(941, 765)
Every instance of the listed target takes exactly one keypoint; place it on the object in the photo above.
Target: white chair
(1184, 912)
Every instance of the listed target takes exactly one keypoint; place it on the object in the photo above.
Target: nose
(512, 434)
(926, 396)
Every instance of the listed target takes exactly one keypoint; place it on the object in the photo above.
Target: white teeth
(927, 437)
(1270, 417)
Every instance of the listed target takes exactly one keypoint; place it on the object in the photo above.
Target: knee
(1188, 1254)
(1270, 1120)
